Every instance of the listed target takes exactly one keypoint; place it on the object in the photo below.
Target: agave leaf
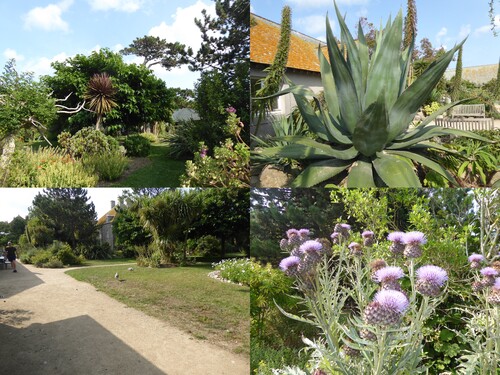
(361, 175)
(329, 89)
(353, 59)
(333, 127)
(414, 96)
(306, 148)
(395, 171)
(427, 144)
(427, 162)
(370, 134)
(385, 73)
(320, 171)
(311, 118)
(405, 66)
(349, 104)
(364, 56)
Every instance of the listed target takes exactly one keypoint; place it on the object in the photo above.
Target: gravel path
(52, 324)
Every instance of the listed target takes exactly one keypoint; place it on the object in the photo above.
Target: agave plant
(364, 127)
(100, 92)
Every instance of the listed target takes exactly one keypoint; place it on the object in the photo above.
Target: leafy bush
(95, 251)
(429, 109)
(86, 141)
(43, 257)
(67, 257)
(206, 245)
(108, 166)
(237, 270)
(137, 145)
(151, 137)
(27, 256)
(47, 167)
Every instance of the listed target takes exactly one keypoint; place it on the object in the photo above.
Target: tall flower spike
(430, 280)
(413, 242)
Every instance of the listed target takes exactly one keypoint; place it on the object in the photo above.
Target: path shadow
(73, 346)
(12, 283)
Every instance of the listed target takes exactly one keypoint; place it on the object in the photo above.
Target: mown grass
(105, 262)
(162, 172)
(184, 297)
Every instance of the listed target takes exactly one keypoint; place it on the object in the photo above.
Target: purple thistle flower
(496, 286)
(489, 271)
(396, 237)
(335, 235)
(354, 245)
(414, 238)
(367, 234)
(476, 258)
(290, 262)
(311, 246)
(231, 110)
(203, 153)
(389, 273)
(304, 232)
(432, 274)
(392, 299)
(346, 226)
(292, 232)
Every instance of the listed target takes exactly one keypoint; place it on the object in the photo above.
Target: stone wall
(476, 74)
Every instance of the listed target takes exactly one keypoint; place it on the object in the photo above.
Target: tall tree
(156, 51)
(271, 84)
(68, 213)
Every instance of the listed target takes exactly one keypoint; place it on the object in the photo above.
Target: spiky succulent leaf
(395, 171)
(321, 171)
(328, 82)
(370, 134)
(361, 175)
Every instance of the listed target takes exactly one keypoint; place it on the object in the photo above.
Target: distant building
(303, 66)
(476, 74)
(105, 227)
(184, 115)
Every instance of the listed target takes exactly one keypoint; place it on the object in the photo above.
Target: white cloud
(128, 6)
(464, 32)
(319, 3)
(312, 25)
(489, 28)
(182, 28)
(179, 77)
(48, 18)
(441, 36)
(9, 53)
(41, 66)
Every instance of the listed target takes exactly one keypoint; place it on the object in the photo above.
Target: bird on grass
(116, 276)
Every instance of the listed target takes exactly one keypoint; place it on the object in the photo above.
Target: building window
(256, 84)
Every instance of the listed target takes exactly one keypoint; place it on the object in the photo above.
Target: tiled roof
(103, 219)
(264, 37)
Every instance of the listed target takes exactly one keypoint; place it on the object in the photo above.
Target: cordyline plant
(364, 126)
(100, 92)
(369, 324)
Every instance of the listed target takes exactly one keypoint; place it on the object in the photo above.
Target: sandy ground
(53, 324)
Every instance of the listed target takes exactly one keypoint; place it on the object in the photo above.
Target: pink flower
(230, 110)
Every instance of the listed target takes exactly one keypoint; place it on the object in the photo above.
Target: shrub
(86, 141)
(42, 257)
(236, 270)
(431, 108)
(137, 145)
(108, 166)
(206, 245)
(67, 257)
(47, 167)
(100, 251)
(151, 137)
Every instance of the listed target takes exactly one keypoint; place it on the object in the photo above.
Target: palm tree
(100, 92)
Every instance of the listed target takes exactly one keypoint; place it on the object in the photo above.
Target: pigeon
(130, 269)
(116, 276)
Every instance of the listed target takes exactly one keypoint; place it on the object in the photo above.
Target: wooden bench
(467, 124)
(469, 110)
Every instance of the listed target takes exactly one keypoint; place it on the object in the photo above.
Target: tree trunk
(8, 148)
(98, 125)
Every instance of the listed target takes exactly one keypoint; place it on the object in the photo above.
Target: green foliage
(431, 108)
(151, 137)
(156, 51)
(109, 166)
(206, 245)
(364, 131)
(94, 251)
(100, 92)
(140, 95)
(47, 167)
(229, 167)
(238, 271)
(25, 105)
(86, 141)
(265, 358)
(137, 145)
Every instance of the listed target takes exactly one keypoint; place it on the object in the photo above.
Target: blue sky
(16, 201)
(37, 32)
(444, 23)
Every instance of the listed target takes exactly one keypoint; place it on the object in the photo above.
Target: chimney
(112, 204)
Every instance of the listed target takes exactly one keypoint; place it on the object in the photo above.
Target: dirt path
(53, 324)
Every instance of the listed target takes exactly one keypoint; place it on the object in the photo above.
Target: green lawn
(162, 172)
(107, 262)
(184, 297)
